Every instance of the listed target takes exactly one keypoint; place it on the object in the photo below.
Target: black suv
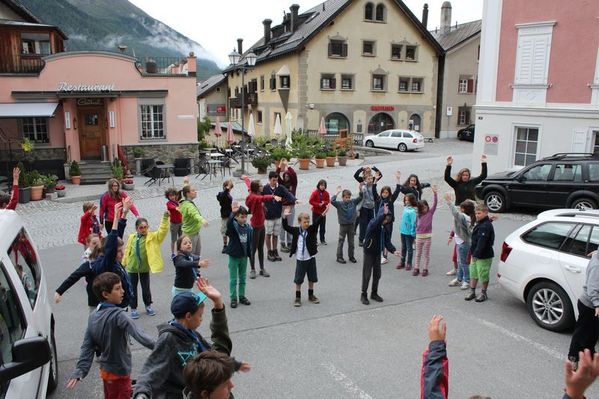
(565, 180)
(467, 133)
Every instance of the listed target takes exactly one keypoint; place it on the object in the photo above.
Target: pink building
(538, 88)
(91, 106)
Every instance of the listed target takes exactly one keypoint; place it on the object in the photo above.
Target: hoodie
(186, 270)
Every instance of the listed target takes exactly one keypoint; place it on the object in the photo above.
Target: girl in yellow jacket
(143, 256)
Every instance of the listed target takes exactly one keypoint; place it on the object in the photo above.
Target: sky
(216, 25)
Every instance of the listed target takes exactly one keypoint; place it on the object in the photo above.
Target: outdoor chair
(182, 166)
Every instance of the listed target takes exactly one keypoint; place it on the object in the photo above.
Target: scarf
(191, 334)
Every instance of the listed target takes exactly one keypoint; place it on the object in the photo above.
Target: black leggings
(108, 225)
(258, 245)
(586, 331)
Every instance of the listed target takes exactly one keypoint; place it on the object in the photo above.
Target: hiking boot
(271, 256)
(252, 274)
(243, 300)
(416, 272)
(364, 299)
(341, 260)
(481, 298)
(455, 283)
(353, 260)
(471, 295)
(150, 310)
(234, 303)
(384, 260)
(360, 243)
(401, 265)
(452, 272)
(376, 297)
(297, 303)
(465, 285)
(313, 299)
(408, 267)
(424, 273)
(323, 242)
(276, 255)
(134, 314)
(264, 273)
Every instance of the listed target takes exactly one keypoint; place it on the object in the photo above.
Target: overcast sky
(216, 25)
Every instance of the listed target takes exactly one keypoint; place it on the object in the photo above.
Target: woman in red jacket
(10, 201)
(320, 201)
(108, 200)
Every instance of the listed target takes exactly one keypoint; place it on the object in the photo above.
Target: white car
(544, 264)
(402, 140)
(28, 362)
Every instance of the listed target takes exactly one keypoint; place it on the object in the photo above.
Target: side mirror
(27, 355)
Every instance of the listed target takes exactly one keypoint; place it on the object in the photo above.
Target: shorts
(223, 226)
(176, 231)
(479, 269)
(273, 226)
(303, 267)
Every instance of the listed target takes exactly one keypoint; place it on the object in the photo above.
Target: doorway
(91, 132)
(380, 122)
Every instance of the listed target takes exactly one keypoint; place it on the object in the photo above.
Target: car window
(384, 134)
(537, 173)
(12, 322)
(24, 258)
(407, 135)
(548, 235)
(593, 171)
(577, 245)
(593, 240)
(567, 172)
(396, 134)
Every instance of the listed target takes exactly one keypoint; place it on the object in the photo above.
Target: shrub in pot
(24, 184)
(261, 163)
(342, 157)
(37, 185)
(50, 183)
(138, 152)
(320, 159)
(75, 173)
(331, 155)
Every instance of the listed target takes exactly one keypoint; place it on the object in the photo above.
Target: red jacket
(255, 204)
(434, 375)
(107, 203)
(317, 198)
(176, 216)
(14, 198)
(87, 227)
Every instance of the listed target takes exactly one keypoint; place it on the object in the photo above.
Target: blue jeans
(407, 249)
(463, 267)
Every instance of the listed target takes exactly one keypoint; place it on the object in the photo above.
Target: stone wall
(162, 152)
(38, 154)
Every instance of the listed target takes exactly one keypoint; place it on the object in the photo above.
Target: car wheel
(584, 203)
(550, 307)
(402, 147)
(53, 375)
(495, 201)
(460, 136)
(369, 144)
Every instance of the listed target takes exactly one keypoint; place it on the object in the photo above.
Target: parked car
(29, 366)
(544, 264)
(559, 181)
(467, 133)
(402, 140)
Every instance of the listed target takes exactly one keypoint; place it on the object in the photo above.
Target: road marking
(345, 381)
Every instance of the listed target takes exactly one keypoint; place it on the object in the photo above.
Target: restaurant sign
(382, 108)
(66, 87)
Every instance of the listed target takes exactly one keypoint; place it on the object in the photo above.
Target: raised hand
(204, 286)
(16, 172)
(398, 175)
(286, 210)
(437, 329)
(449, 160)
(118, 207)
(483, 158)
(277, 198)
(234, 206)
(578, 381)
(435, 189)
(447, 197)
(245, 367)
(127, 204)
(339, 189)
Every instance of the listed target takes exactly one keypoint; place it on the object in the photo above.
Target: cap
(186, 302)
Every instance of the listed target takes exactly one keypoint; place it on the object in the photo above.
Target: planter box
(24, 195)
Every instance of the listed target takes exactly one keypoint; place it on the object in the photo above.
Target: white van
(28, 362)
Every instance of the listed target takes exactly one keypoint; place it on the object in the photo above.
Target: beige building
(461, 44)
(365, 66)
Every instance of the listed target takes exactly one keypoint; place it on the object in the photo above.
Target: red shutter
(470, 86)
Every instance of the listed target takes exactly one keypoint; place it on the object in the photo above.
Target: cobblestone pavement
(55, 224)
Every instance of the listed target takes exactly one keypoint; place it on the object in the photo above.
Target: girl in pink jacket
(424, 233)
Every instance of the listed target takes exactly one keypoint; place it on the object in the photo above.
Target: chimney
(425, 16)
(192, 66)
(445, 17)
(294, 17)
(240, 46)
(267, 23)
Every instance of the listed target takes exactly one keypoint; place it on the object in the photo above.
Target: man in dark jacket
(178, 342)
(274, 211)
(481, 248)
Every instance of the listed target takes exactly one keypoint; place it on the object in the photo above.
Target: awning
(27, 110)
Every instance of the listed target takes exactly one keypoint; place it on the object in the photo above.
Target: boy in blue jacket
(481, 247)
(239, 249)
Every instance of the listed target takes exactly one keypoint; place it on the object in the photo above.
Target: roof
(209, 84)
(457, 34)
(32, 25)
(21, 10)
(312, 22)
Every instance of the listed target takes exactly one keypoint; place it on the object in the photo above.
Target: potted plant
(60, 190)
(128, 183)
(50, 183)
(37, 185)
(342, 157)
(278, 153)
(117, 170)
(261, 163)
(24, 185)
(320, 159)
(331, 155)
(75, 173)
(304, 155)
(138, 152)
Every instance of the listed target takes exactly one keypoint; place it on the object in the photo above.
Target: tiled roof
(457, 34)
(21, 10)
(209, 84)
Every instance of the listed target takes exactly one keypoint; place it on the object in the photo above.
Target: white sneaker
(465, 286)
(454, 283)
(452, 272)
(384, 260)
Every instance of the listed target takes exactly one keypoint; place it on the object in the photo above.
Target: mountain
(104, 24)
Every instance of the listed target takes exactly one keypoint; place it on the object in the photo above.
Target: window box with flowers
(60, 190)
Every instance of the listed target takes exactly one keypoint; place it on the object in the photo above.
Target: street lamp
(249, 62)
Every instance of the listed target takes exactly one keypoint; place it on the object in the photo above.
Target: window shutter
(333, 83)
(467, 116)
(470, 89)
(580, 139)
(330, 49)
(539, 60)
(524, 61)
(344, 50)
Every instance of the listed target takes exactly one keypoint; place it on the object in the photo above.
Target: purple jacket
(424, 223)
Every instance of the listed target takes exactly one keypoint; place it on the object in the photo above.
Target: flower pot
(24, 195)
(50, 189)
(320, 162)
(304, 164)
(262, 170)
(76, 179)
(342, 160)
(61, 193)
(37, 193)
(330, 161)
(128, 186)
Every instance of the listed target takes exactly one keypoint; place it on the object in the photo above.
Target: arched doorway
(380, 122)
(415, 123)
(337, 123)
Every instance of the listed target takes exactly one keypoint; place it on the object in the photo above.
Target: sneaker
(244, 301)
(323, 242)
(224, 251)
(408, 267)
(481, 298)
(271, 256)
(424, 273)
(252, 274)
(341, 260)
(353, 260)
(401, 265)
(376, 297)
(452, 272)
(297, 303)
(364, 299)
(313, 299)
(465, 286)
(234, 303)
(264, 273)
(285, 248)
(416, 272)
(360, 243)
(455, 283)
(471, 295)
(150, 311)
(134, 314)
(384, 260)
(277, 257)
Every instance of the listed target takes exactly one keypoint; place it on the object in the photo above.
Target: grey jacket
(590, 289)
(461, 224)
(347, 212)
(107, 331)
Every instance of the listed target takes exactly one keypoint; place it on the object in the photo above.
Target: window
(369, 11)
(464, 115)
(35, 43)
(384, 134)
(532, 56)
(337, 48)
(537, 173)
(152, 122)
(577, 245)
(568, 172)
(527, 140)
(347, 82)
(36, 129)
(336, 123)
(411, 53)
(594, 171)
(380, 12)
(596, 144)
(327, 82)
(12, 322)
(259, 117)
(24, 258)
(396, 51)
(378, 82)
(284, 81)
(273, 82)
(368, 48)
(549, 235)
(274, 117)
(593, 241)
(417, 85)
(404, 84)
(261, 82)
(466, 85)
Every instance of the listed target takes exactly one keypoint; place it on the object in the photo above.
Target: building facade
(538, 88)
(363, 66)
(213, 98)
